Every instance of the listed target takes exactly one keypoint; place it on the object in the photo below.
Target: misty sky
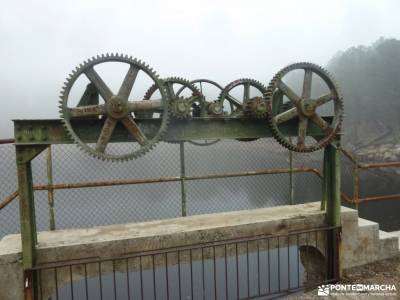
(42, 41)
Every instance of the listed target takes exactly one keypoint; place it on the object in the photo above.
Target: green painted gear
(175, 97)
(256, 107)
(212, 108)
(237, 107)
(181, 108)
(115, 110)
(303, 108)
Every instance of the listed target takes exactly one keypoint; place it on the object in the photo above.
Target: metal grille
(245, 268)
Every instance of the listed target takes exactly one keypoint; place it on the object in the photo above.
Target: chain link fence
(85, 207)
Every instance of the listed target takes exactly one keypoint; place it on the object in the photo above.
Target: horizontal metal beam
(46, 132)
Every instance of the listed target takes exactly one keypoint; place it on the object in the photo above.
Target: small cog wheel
(211, 108)
(174, 87)
(181, 108)
(303, 108)
(236, 107)
(256, 108)
(116, 111)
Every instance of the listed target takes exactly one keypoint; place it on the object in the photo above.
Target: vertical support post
(291, 182)
(50, 190)
(24, 156)
(326, 180)
(27, 213)
(28, 226)
(331, 196)
(356, 184)
(183, 176)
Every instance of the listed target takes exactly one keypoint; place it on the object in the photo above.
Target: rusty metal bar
(391, 164)
(89, 184)
(28, 285)
(354, 160)
(7, 141)
(380, 198)
(8, 199)
(348, 155)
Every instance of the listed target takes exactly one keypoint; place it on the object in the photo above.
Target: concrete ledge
(361, 242)
(119, 240)
(193, 229)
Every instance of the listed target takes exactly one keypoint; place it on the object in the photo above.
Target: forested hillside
(369, 78)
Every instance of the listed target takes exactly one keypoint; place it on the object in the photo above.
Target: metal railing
(358, 167)
(51, 187)
(352, 198)
(242, 268)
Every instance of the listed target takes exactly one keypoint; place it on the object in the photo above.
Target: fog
(42, 41)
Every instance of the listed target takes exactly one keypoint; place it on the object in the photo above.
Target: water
(258, 274)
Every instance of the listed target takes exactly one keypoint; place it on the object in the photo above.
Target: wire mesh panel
(173, 191)
(9, 215)
(231, 155)
(347, 175)
(117, 205)
(228, 194)
(70, 164)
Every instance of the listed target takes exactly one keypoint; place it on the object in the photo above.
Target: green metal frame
(34, 136)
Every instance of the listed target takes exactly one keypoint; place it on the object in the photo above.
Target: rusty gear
(117, 107)
(303, 108)
(256, 108)
(177, 108)
(237, 106)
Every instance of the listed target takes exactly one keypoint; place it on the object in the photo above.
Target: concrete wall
(126, 239)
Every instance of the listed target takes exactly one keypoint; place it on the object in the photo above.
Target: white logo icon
(323, 290)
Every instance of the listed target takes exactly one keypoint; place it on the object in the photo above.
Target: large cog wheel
(303, 107)
(116, 110)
